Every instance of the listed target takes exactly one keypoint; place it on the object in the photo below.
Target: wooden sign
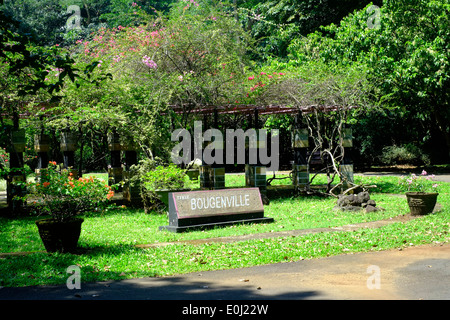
(208, 208)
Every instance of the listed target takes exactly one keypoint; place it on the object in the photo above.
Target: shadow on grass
(51, 268)
(165, 288)
(34, 268)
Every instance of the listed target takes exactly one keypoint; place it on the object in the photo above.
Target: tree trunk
(88, 14)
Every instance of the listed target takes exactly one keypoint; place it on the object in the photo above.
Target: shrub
(169, 177)
(406, 154)
(154, 174)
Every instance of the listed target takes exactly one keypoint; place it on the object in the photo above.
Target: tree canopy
(407, 58)
(97, 65)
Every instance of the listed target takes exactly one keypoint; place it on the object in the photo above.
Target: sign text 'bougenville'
(211, 207)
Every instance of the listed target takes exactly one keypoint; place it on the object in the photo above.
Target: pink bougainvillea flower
(149, 62)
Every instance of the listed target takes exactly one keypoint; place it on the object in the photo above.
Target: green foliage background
(402, 58)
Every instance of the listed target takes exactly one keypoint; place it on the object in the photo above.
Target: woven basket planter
(421, 203)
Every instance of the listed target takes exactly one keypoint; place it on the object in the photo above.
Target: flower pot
(421, 203)
(60, 236)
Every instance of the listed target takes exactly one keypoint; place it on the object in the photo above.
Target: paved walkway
(438, 177)
(412, 273)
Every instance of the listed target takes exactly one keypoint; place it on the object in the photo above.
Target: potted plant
(64, 198)
(422, 193)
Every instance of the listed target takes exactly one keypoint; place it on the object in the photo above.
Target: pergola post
(131, 192)
(204, 169)
(300, 144)
(212, 176)
(255, 174)
(115, 170)
(217, 173)
(42, 147)
(16, 175)
(68, 146)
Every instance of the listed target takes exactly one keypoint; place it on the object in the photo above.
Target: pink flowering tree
(191, 57)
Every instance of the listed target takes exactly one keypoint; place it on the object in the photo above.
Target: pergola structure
(250, 108)
(211, 176)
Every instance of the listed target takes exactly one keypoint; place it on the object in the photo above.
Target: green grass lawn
(111, 238)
